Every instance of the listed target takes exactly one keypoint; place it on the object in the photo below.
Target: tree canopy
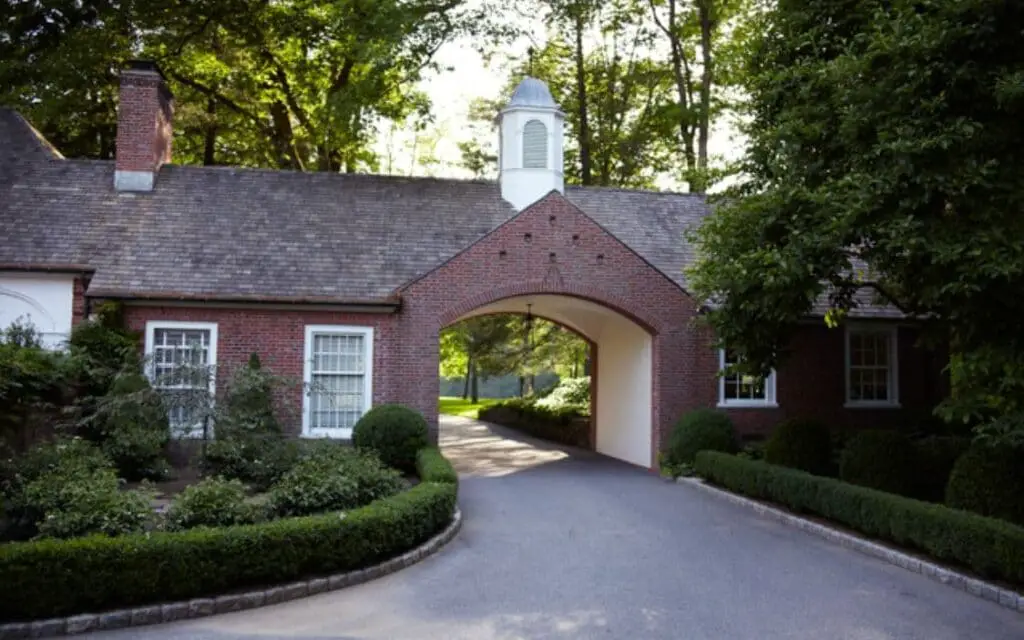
(885, 158)
(287, 84)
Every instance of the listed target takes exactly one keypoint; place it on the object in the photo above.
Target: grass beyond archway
(463, 407)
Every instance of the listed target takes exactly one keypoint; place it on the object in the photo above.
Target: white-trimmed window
(182, 360)
(741, 389)
(535, 145)
(871, 366)
(338, 378)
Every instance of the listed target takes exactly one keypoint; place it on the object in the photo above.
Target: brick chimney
(144, 115)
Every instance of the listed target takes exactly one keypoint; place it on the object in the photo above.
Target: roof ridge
(340, 175)
(654, 192)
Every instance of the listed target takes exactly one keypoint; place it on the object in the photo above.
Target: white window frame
(307, 377)
(892, 333)
(768, 402)
(151, 328)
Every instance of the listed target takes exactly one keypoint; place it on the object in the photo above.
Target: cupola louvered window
(535, 145)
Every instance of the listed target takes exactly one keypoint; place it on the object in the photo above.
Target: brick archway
(584, 291)
(550, 248)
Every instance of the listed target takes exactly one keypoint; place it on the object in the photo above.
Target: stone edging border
(979, 588)
(202, 607)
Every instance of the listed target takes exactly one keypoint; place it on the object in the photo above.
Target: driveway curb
(978, 588)
(202, 607)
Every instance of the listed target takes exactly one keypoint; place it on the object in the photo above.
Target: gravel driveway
(560, 544)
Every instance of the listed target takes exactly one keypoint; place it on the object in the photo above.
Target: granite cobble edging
(979, 588)
(201, 607)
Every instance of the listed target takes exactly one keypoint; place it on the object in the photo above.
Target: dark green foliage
(214, 502)
(936, 456)
(58, 578)
(250, 445)
(992, 548)
(32, 384)
(990, 481)
(68, 488)
(801, 444)
(880, 459)
(563, 424)
(394, 432)
(100, 350)
(883, 160)
(432, 466)
(699, 430)
(131, 427)
(333, 477)
(256, 461)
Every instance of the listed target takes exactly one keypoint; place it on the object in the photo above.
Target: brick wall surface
(278, 336)
(144, 116)
(553, 248)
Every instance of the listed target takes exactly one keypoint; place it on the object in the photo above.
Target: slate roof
(250, 234)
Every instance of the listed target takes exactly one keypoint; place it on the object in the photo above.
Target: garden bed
(96, 573)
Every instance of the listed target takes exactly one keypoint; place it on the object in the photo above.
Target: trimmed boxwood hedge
(434, 467)
(991, 548)
(98, 573)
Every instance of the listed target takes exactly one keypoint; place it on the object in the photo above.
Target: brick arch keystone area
(553, 248)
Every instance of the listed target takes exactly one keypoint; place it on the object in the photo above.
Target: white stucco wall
(624, 392)
(45, 300)
(624, 369)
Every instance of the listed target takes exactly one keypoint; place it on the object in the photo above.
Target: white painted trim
(307, 374)
(892, 331)
(770, 400)
(153, 325)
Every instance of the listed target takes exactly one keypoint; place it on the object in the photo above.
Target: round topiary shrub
(988, 480)
(801, 444)
(883, 460)
(699, 430)
(394, 432)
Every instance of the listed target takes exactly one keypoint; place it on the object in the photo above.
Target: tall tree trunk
(522, 387)
(581, 96)
(210, 135)
(474, 387)
(469, 372)
(704, 9)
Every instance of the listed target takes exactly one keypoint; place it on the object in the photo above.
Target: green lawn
(464, 408)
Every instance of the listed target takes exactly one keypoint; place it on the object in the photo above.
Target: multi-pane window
(339, 377)
(871, 366)
(182, 357)
(741, 389)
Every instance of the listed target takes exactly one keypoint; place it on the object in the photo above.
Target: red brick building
(345, 281)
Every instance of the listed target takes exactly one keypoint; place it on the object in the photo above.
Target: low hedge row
(992, 548)
(564, 425)
(49, 578)
(434, 467)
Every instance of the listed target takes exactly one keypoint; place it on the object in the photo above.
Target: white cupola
(530, 148)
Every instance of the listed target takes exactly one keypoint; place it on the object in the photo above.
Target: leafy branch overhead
(884, 164)
(287, 84)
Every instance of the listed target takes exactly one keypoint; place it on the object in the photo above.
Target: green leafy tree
(288, 84)
(884, 164)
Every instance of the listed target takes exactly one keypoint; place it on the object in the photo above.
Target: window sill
(341, 435)
(748, 405)
(871, 405)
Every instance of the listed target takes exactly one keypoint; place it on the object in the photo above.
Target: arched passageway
(622, 389)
